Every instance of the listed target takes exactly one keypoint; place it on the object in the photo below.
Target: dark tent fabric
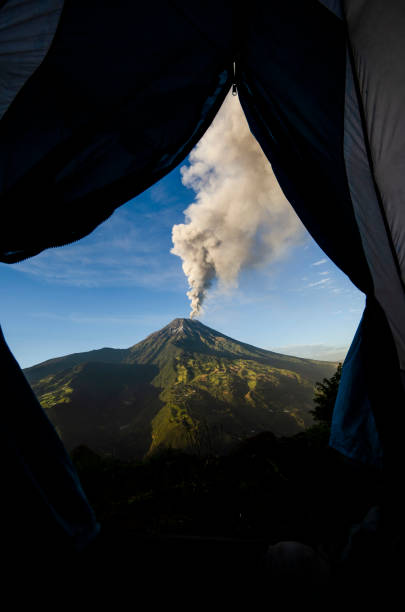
(108, 98)
(354, 431)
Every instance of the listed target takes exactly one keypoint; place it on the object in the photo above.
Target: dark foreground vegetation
(294, 488)
(207, 520)
(212, 518)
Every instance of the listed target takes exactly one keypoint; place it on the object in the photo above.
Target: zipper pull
(234, 87)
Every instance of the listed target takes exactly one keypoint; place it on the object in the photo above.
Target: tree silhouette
(325, 397)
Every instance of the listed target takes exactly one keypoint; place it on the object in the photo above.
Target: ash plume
(240, 217)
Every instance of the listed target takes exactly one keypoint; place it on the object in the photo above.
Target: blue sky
(121, 283)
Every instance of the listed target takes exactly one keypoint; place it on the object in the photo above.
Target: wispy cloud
(161, 195)
(93, 269)
(319, 262)
(118, 254)
(324, 281)
(152, 320)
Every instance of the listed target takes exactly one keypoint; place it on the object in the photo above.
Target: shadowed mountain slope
(185, 386)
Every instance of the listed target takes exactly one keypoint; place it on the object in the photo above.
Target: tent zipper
(234, 86)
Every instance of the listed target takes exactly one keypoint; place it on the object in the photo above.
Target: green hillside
(185, 386)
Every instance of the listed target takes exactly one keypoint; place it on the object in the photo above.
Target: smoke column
(240, 217)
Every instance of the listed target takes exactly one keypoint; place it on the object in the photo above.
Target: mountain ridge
(114, 355)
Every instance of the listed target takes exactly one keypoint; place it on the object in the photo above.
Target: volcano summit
(185, 386)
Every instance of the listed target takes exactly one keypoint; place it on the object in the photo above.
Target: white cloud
(320, 262)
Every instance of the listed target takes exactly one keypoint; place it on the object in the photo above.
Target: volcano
(185, 386)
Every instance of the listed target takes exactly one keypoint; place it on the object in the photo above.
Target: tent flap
(119, 100)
